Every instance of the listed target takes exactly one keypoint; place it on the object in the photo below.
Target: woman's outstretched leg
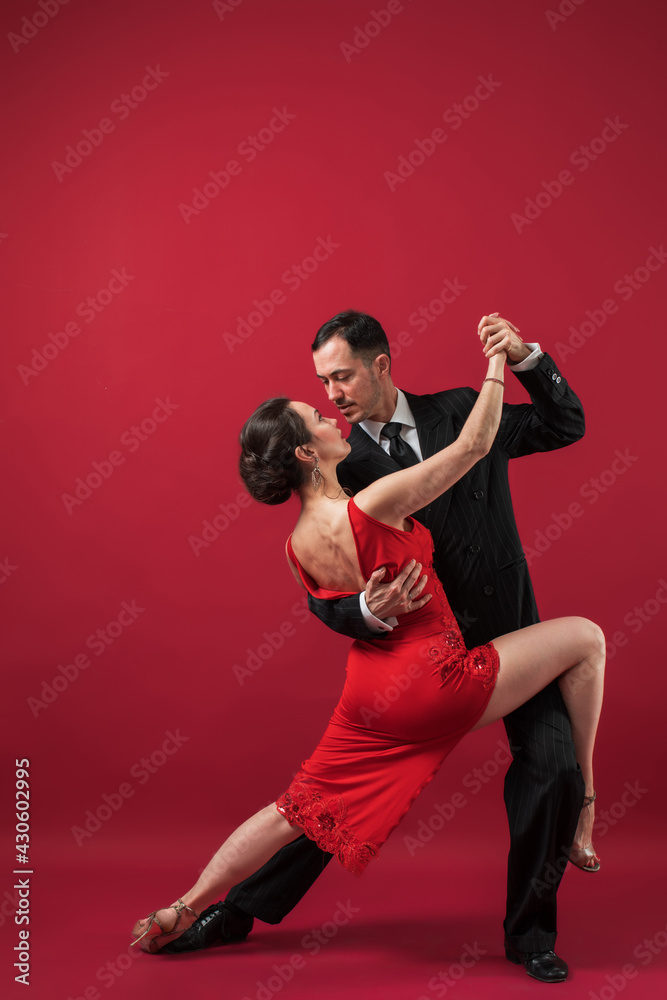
(247, 849)
(572, 650)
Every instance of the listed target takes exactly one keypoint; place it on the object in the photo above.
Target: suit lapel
(435, 430)
(366, 450)
(434, 424)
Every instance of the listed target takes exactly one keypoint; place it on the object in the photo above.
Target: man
(478, 557)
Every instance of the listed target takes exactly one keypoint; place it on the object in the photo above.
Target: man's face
(355, 389)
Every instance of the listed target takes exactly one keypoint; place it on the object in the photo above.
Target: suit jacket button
(488, 590)
(474, 549)
(550, 371)
(554, 377)
(478, 494)
(558, 379)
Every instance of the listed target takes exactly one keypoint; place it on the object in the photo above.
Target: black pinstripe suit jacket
(478, 554)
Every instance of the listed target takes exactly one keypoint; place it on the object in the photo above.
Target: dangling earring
(317, 476)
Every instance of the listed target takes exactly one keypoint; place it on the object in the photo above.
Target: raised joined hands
(498, 334)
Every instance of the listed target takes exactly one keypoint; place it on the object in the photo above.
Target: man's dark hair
(364, 335)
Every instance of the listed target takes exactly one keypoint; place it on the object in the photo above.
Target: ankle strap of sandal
(179, 906)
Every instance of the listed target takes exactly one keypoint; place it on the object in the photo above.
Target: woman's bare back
(324, 545)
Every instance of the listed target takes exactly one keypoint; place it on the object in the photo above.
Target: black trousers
(544, 792)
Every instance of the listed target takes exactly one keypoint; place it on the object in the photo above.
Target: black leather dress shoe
(217, 924)
(545, 966)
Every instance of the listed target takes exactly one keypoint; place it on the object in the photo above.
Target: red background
(162, 337)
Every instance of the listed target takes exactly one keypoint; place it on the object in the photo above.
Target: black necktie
(400, 450)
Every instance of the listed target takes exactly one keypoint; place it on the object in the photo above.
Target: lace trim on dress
(480, 663)
(322, 820)
(451, 655)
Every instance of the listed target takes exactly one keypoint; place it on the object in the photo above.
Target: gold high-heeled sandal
(580, 855)
(150, 939)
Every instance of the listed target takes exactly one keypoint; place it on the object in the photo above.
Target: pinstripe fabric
(478, 557)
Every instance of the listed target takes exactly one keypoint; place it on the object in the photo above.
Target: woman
(370, 765)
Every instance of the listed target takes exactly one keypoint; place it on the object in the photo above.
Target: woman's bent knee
(592, 636)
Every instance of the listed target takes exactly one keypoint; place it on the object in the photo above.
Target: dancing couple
(407, 519)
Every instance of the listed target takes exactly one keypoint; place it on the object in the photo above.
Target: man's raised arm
(554, 417)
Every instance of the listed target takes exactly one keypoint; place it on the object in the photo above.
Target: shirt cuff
(373, 623)
(530, 362)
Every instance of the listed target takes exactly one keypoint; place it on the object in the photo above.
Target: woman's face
(325, 436)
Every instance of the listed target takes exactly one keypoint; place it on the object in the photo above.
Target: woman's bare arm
(393, 497)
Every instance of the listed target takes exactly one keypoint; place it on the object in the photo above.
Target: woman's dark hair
(269, 468)
(363, 334)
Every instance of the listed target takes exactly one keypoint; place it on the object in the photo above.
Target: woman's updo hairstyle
(269, 468)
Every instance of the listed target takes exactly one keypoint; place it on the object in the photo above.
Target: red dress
(407, 701)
